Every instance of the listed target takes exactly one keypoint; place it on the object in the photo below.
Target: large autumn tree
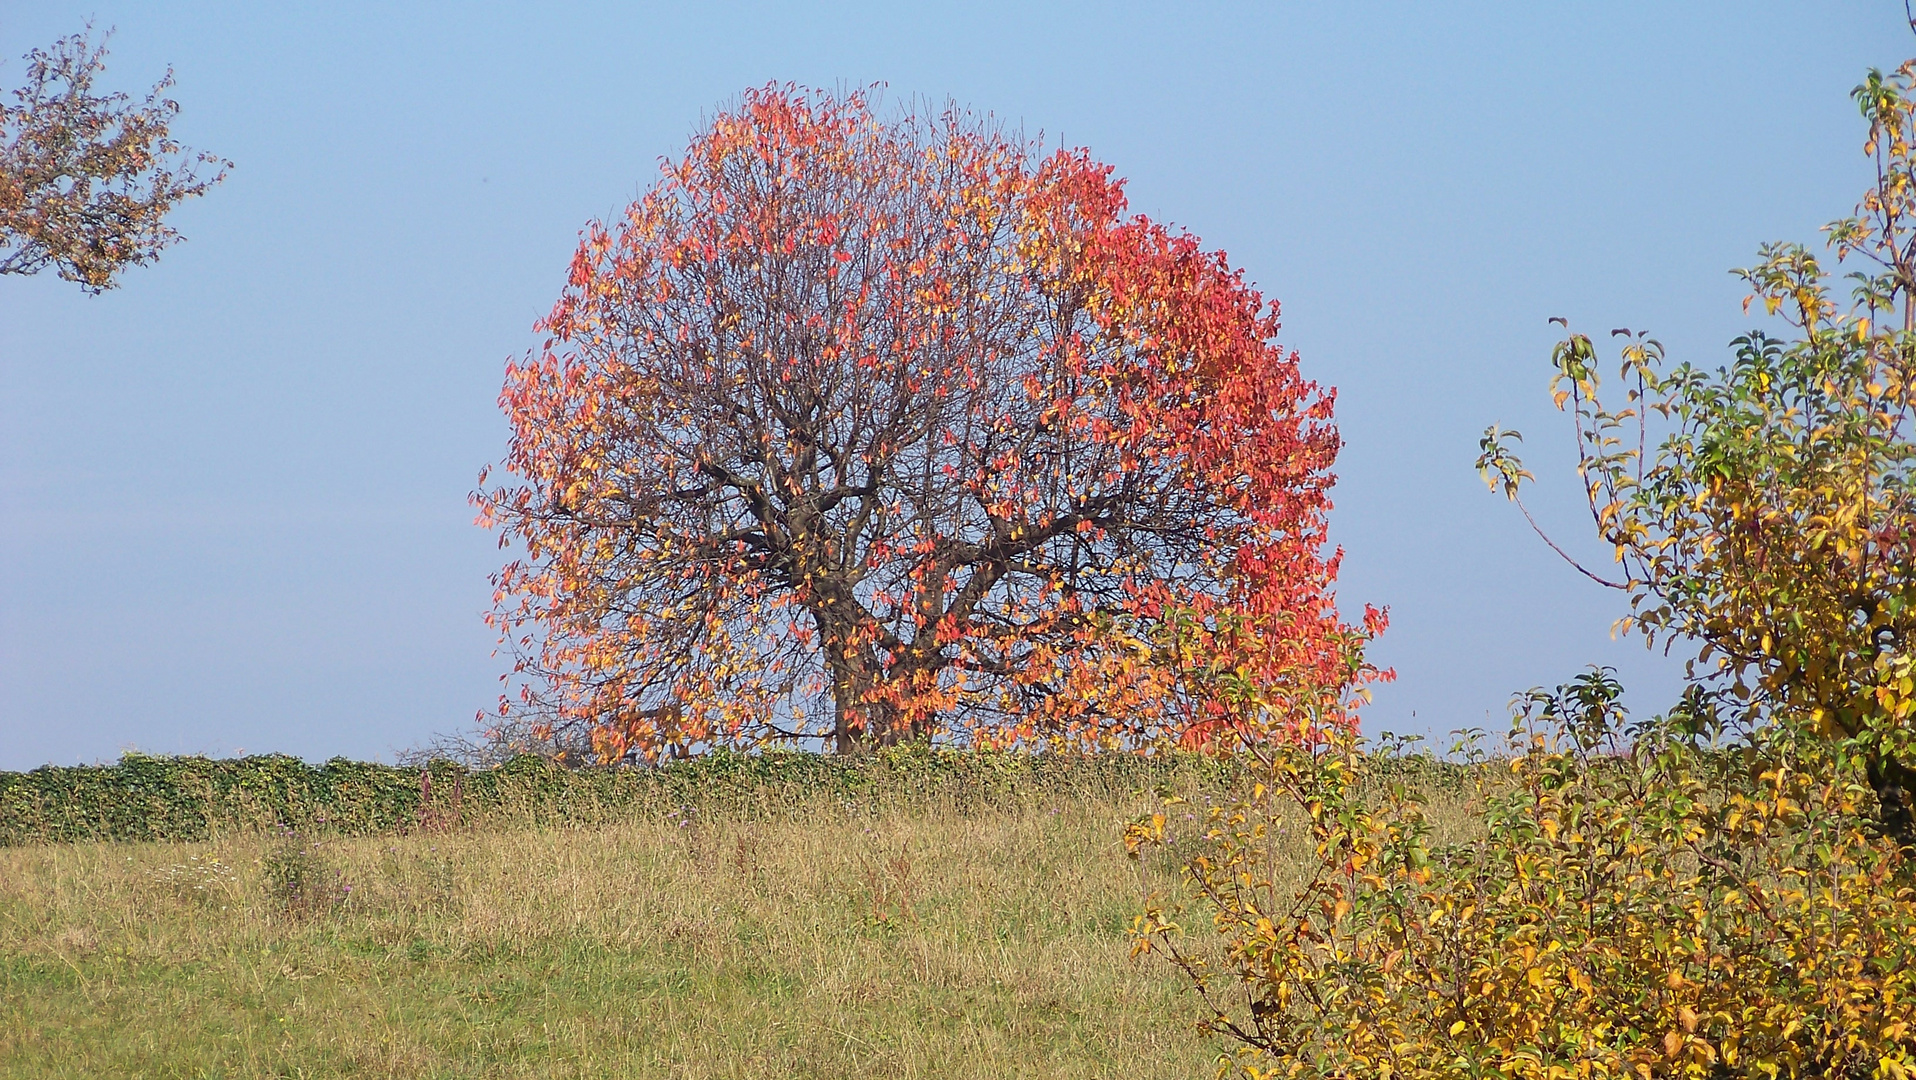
(862, 428)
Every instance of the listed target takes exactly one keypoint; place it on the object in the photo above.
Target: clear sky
(233, 492)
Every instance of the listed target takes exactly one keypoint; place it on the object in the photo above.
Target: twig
(1561, 552)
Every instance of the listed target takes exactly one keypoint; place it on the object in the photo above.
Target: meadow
(917, 929)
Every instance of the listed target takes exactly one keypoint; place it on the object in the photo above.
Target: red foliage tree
(861, 430)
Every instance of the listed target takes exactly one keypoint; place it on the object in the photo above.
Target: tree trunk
(858, 723)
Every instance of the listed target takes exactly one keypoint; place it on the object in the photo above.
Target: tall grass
(909, 933)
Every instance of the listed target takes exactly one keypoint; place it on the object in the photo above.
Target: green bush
(146, 798)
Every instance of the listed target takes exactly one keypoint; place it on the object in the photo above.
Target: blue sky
(233, 492)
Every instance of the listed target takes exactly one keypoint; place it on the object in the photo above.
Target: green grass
(817, 940)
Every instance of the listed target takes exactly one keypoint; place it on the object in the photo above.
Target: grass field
(819, 941)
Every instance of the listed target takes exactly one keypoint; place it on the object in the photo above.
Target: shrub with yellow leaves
(1773, 524)
(1726, 890)
(1664, 899)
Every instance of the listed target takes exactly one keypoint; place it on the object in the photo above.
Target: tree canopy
(864, 428)
(87, 180)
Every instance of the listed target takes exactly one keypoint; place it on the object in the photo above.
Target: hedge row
(193, 798)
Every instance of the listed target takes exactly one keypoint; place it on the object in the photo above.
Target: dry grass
(828, 941)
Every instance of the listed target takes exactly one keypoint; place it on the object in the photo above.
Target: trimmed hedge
(144, 798)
